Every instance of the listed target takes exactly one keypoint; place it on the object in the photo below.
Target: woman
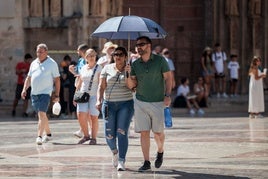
(107, 50)
(84, 109)
(207, 67)
(201, 92)
(183, 91)
(115, 93)
(256, 94)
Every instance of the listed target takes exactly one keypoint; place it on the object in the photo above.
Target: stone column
(36, 8)
(55, 8)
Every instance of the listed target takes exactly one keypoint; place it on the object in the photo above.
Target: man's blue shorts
(40, 102)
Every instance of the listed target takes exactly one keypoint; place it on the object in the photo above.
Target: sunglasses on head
(118, 55)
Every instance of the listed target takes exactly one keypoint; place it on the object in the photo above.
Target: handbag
(83, 97)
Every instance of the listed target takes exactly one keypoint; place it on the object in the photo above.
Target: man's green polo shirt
(151, 83)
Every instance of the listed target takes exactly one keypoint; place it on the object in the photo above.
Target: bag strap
(92, 77)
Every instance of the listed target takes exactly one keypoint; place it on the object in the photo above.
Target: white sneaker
(201, 112)
(39, 141)
(121, 166)
(224, 95)
(46, 138)
(115, 159)
(78, 134)
(192, 112)
(259, 116)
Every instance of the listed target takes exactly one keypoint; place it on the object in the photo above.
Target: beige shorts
(149, 116)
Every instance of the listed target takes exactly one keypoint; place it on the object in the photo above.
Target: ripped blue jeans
(117, 126)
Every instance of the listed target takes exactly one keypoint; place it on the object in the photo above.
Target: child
(233, 67)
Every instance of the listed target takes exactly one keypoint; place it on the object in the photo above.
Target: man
(22, 68)
(166, 54)
(151, 77)
(43, 73)
(219, 59)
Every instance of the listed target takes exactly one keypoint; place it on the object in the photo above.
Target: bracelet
(166, 95)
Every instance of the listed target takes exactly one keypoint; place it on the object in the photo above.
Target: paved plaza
(223, 147)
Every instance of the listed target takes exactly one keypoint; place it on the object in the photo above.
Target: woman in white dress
(256, 93)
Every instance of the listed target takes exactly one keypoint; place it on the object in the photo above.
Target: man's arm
(168, 88)
(27, 84)
(57, 88)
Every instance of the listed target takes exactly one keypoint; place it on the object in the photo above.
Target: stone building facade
(240, 26)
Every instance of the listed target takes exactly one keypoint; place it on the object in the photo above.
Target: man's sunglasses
(141, 44)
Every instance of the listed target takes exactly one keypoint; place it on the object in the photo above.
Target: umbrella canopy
(129, 27)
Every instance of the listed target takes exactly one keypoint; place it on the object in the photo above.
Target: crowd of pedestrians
(121, 90)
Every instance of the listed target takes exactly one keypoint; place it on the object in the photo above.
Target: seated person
(183, 92)
(201, 92)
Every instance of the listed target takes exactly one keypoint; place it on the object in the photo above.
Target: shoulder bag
(83, 97)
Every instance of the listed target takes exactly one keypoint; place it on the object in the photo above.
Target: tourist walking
(151, 75)
(42, 77)
(116, 99)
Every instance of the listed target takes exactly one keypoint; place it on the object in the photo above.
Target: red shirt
(22, 69)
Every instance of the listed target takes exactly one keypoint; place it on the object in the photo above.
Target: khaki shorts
(149, 116)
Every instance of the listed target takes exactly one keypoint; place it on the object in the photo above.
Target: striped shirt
(116, 89)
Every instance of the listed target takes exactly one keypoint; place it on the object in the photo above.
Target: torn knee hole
(109, 136)
(121, 131)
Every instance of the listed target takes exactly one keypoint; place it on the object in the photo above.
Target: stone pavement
(215, 146)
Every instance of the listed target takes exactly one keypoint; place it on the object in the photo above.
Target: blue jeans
(117, 125)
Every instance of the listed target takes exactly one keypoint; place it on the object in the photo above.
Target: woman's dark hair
(123, 49)
(148, 40)
(207, 57)
(183, 80)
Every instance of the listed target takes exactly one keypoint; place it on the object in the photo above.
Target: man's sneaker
(46, 138)
(78, 134)
(145, 167)
(159, 160)
(201, 112)
(192, 112)
(83, 140)
(39, 140)
(115, 159)
(224, 95)
(121, 166)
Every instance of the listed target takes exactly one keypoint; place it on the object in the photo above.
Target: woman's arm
(102, 86)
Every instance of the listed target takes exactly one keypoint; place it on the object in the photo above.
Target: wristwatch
(167, 95)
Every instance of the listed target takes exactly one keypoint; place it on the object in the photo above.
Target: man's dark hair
(148, 40)
(27, 56)
(67, 58)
